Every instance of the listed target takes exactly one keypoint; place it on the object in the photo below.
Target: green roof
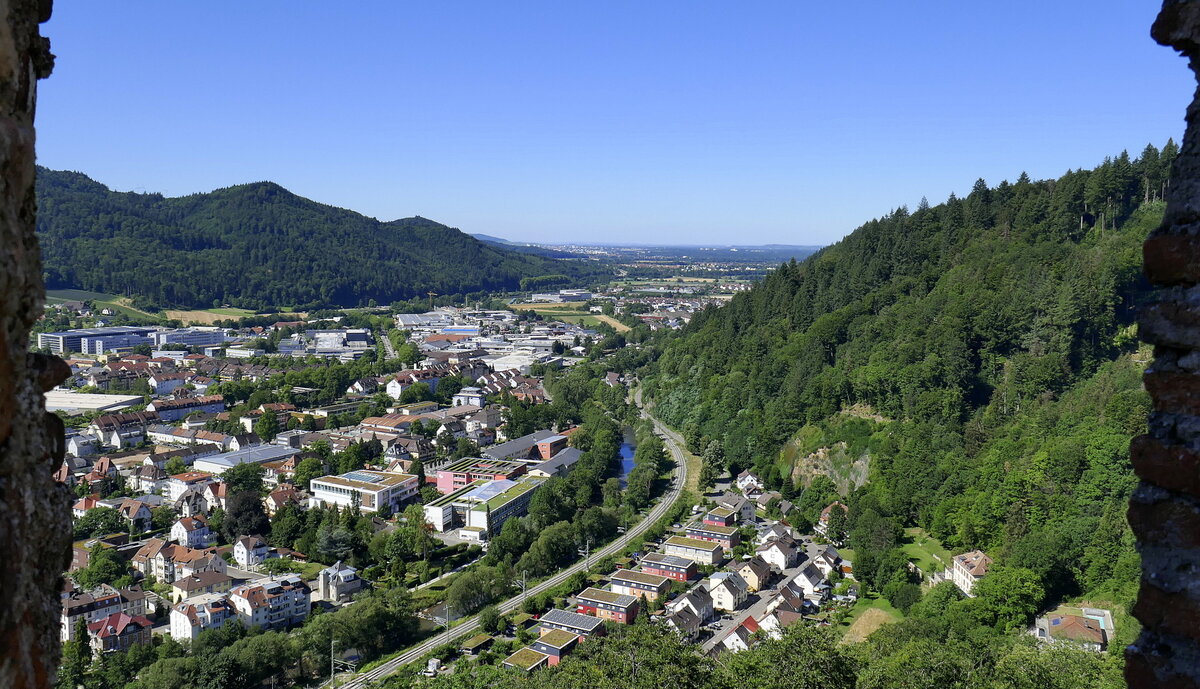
(557, 638)
(509, 495)
(522, 619)
(451, 497)
(526, 659)
(476, 641)
(685, 542)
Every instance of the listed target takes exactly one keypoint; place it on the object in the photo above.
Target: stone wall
(1165, 509)
(34, 511)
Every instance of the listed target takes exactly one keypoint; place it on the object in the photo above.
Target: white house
(968, 569)
(249, 551)
(780, 554)
(194, 615)
(728, 590)
(749, 484)
(697, 601)
(271, 603)
(192, 532)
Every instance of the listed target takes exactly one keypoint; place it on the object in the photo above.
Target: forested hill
(978, 355)
(259, 245)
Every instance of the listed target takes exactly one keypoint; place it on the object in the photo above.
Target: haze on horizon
(671, 123)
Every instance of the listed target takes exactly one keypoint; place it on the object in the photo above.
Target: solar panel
(362, 476)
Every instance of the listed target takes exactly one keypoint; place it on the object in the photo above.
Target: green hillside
(978, 355)
(259, 246)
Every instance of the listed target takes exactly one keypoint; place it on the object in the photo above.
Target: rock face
(1165, 509)
(34, 516)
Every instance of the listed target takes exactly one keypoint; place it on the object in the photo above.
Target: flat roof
(256, 455)
(640, 577)
(697, 544)
(526, 659)
(476, 641)
(710, 528)
(670, 560)
(516, 491)
(386, 479)
(593, 593)
(557, 638)
(456, 495)
(481, 464)
(63, 400)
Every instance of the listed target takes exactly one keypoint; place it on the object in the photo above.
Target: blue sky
(748, 123)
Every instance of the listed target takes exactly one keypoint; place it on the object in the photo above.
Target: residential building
(194, 615)
(756, 572)
(555, 644)
(1088, 631)
(685, 623)
(703, 552)
(578, 624)
(249, 551)
(272, 603)
(370, 491)
(521, 448)
(728, 590)
(779, 554)
(137, 514)
(119, 632)
(967, 569)
(175, 409)
(638, 584)
(749, 484)
(670, 566)
(727, 536)
(179, 484)
(198, 584)
(743, 507)
(192, 532)
(720, 516)
(98, 604)
(822, 524)
(338, 582)
(527, 660)
(697, 601)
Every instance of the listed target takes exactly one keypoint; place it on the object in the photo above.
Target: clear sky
(674, 122)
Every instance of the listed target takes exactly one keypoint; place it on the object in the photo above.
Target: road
(672, 441)
(387, 345)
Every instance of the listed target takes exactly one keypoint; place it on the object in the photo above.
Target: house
(179, 484)
(638, 584)
(822, 525)
(809, 581)
(84, 505)
(669, 566)
(728, 590)
(779, 554)
(967, 569)
(555, 644)
(148, 478)
(476, 644)
(1085, 631)
(756, 572)
(827, 559)
(194, 615)
(166, 382)
(740, 638)
(285, 494)
(98, 604)
(763, 501)
(727, 536)
(272, 603)
(470, 395)
(720, 516)
(527, 660)
(685, 623)
(607, 605)
(198, 584)
(249, 551)
(775, 532)
(576, 623)
(749, 484)
(216, 495)
(697, 601)
(338, 582)
(119, 632)
(122, 430)
(743, 507)
(703, 552)
(192, 532)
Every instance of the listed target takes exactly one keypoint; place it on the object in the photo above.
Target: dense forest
(980, 359)
(259, 246)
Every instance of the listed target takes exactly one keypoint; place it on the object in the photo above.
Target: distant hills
(259, 246)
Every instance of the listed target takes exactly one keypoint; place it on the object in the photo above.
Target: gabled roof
(117, 624)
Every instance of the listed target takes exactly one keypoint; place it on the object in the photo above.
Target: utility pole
(332, 666)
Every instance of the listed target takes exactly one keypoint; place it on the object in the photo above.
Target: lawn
(868, 614)
(926, 551)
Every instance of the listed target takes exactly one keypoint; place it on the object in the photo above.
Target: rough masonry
(1165, 509)
(34, 513)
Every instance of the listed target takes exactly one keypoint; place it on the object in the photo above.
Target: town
(193, 479)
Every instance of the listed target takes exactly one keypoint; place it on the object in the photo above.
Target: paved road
(672, 441)
(387, 345)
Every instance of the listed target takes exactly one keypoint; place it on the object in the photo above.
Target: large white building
(194, 615)
(372, 490)
(272, 603)
(968, 569)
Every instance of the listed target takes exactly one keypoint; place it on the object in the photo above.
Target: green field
(868, 614)
(925, 551)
